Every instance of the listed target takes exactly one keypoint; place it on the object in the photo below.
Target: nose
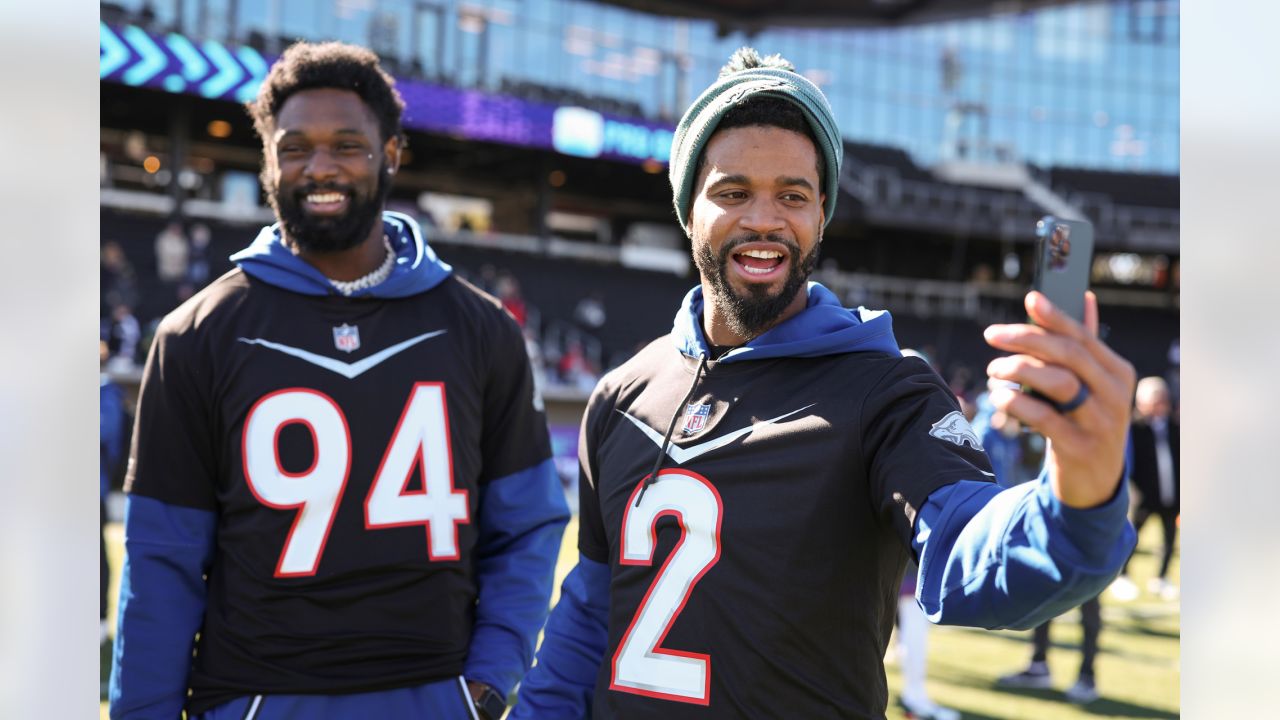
(762, 217)
(320, 164)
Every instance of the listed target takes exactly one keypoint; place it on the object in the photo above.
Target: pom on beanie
(747, 74)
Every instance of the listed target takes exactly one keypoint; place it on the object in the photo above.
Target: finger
(1109, 358)
(1044, 313)
(1054, 382)
(1037, 415)
(1091, 313)
(1054, 349)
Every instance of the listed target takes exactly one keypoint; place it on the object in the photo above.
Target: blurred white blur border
(48, 338)
(1230, 354)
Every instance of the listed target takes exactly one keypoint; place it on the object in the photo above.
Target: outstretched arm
(1017, 557)
(1014, 558)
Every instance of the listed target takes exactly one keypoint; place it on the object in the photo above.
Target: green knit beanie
(746, 75)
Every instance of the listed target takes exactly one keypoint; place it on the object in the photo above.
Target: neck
(720, 331)
(349, 264)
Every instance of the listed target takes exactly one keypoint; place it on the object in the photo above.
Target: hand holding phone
(1087, 388)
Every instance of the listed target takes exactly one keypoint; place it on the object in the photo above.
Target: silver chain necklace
(349, 287)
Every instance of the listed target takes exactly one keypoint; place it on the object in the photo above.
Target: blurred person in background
(111, 440)
(1001, 438)
(341, 496)
(117, 280)
(507, 289)
(198, 269)
(173, 254)
(754, 483)
(126, 333)
(1036, 675)
(1154, 447)
(590, 312)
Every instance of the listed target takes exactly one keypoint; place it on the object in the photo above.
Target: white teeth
(762, 254)
(325, 197)
(756, 271)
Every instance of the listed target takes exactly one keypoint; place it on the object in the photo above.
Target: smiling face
(328, 170)
(756, 226)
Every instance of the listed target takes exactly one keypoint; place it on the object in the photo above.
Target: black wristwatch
(491, 704)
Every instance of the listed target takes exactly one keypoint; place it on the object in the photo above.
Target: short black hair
(308, 66)
(767, 111)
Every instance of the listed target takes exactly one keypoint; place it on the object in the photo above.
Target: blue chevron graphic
(114, 52)
(257, 68)
(194, 66)
(153, 59)
(229, 72)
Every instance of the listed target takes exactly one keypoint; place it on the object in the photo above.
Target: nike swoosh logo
(683, 455)
(346, 370)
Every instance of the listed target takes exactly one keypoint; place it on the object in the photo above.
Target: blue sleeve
(1015, 558)
(561, 685)
(1128, 452)
(521, 521)
(110, 432)
(168, 550)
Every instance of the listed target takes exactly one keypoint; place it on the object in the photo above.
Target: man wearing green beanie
(754, 483)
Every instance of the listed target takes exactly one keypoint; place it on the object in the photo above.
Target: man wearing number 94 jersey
(754, 483)
(341, 481)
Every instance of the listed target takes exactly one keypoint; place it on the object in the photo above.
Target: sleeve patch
(954, 428)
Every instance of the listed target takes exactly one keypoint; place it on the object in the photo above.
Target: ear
(391, 151)
(822, 214)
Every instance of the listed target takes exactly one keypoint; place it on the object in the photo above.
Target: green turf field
(1137, 667)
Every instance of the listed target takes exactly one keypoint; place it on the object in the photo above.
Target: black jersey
(758, 576)
(342, 443)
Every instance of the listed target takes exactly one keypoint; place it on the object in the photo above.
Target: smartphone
(1064, 258)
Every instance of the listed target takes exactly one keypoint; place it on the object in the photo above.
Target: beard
(330, 234)
(756, 311)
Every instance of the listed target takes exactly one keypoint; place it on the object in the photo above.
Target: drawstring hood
(652, 477)
(416, 267)
(823, 327)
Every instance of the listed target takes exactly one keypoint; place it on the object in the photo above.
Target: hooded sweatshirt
(201, 547)
(832, 460)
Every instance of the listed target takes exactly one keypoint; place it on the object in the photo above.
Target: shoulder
(629, 378)
(220, 296)
(894, 373)
(203, 311)
(1140, 427)
(907, 384)
(477, 306)
(659, 354)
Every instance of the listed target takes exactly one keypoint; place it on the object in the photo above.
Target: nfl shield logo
(695, 418)
(346, 338)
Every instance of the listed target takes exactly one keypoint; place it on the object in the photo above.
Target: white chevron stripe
(683, 455)
(346, 370)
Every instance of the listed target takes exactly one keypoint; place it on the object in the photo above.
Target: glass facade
(1088, 84)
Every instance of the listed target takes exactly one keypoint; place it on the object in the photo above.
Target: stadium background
(539, 130)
